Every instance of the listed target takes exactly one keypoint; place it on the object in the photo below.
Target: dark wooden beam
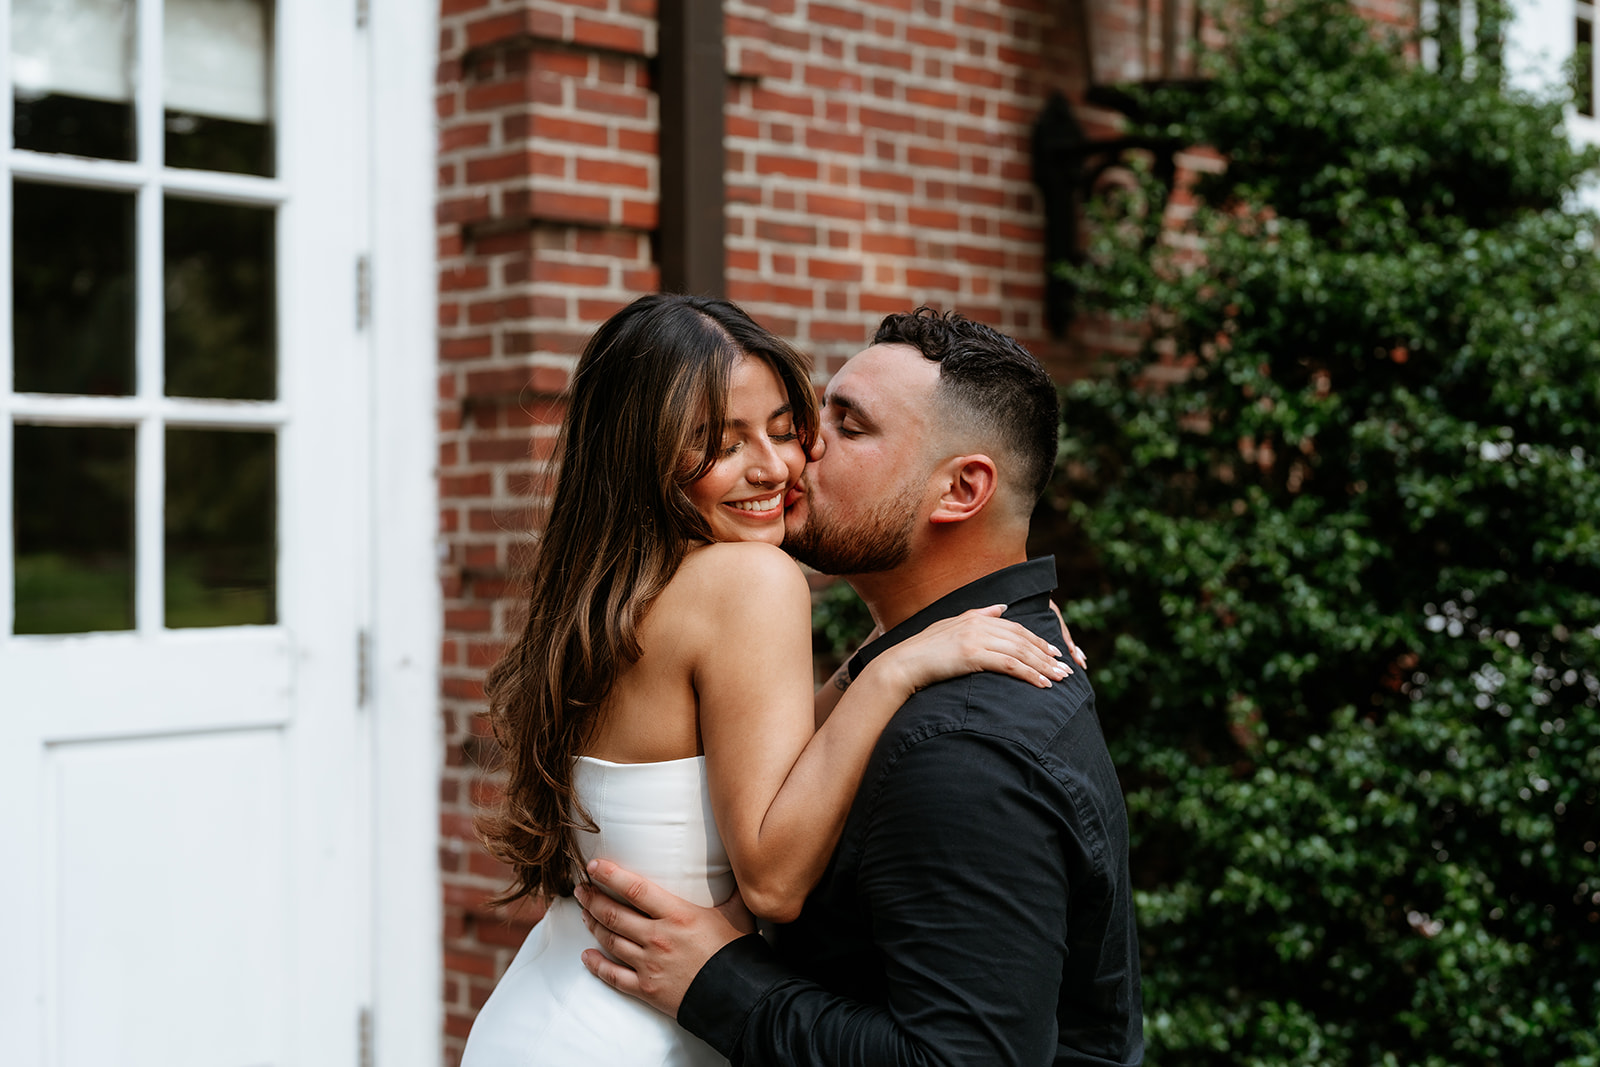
(691, 80)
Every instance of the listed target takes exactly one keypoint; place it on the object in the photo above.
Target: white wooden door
(184, 779)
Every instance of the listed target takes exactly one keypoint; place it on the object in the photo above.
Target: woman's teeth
(758, 505)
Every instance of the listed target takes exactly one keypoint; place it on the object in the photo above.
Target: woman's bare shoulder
(726, 573)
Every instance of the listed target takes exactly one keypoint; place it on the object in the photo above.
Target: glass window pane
(72, 74)
(221, 528)
(221, 301)
(1583, 67)
(217, 82)
(73, 528)
(72, 296)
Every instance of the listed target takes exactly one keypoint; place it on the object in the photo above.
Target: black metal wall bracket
(1068, 166)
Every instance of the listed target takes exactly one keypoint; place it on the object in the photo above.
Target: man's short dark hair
(993, 379)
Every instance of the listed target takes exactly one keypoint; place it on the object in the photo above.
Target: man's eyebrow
(844, 403)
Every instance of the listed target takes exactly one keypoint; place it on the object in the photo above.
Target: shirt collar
(1005, 586)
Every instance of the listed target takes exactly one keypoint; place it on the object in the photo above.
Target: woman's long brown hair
(645, 414)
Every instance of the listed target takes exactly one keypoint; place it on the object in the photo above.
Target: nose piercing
(759, 475)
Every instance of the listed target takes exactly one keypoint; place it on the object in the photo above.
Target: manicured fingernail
(1054, 651)
(594, 865)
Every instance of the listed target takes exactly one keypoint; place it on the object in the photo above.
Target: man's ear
(970, 483)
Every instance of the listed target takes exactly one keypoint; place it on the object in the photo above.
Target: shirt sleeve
(964, 874)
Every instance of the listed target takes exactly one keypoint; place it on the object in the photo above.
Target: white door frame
(407, 737)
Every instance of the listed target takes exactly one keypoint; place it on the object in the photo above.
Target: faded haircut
(991, 382)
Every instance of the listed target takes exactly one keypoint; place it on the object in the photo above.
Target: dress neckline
(652, 763)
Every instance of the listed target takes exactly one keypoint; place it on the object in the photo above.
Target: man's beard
(878, 540)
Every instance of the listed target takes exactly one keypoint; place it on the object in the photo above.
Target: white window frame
(147, 411)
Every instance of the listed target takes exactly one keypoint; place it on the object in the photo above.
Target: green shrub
(1349, 566)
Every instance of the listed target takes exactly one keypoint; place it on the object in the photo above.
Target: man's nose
(816, 449)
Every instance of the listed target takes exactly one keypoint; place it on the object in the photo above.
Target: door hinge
(364, 1038)
(363, 291)
(363, 668)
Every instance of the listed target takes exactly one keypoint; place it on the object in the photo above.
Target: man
(977, 909)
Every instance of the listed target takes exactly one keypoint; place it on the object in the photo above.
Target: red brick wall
(877, 158)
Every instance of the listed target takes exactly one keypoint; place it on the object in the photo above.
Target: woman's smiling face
(742, 494)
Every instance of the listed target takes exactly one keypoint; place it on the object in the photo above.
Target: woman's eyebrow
(777, 413)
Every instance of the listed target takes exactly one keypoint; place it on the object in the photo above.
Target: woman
(657, 708)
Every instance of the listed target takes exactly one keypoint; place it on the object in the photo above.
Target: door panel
(169, 888)
(108, 686)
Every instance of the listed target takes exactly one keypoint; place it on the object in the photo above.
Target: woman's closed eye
(781, 428)
(733, 447)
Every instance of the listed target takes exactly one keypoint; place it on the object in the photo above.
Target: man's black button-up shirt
(977, 909)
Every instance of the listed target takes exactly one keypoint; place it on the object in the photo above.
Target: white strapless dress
(548, 1010)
